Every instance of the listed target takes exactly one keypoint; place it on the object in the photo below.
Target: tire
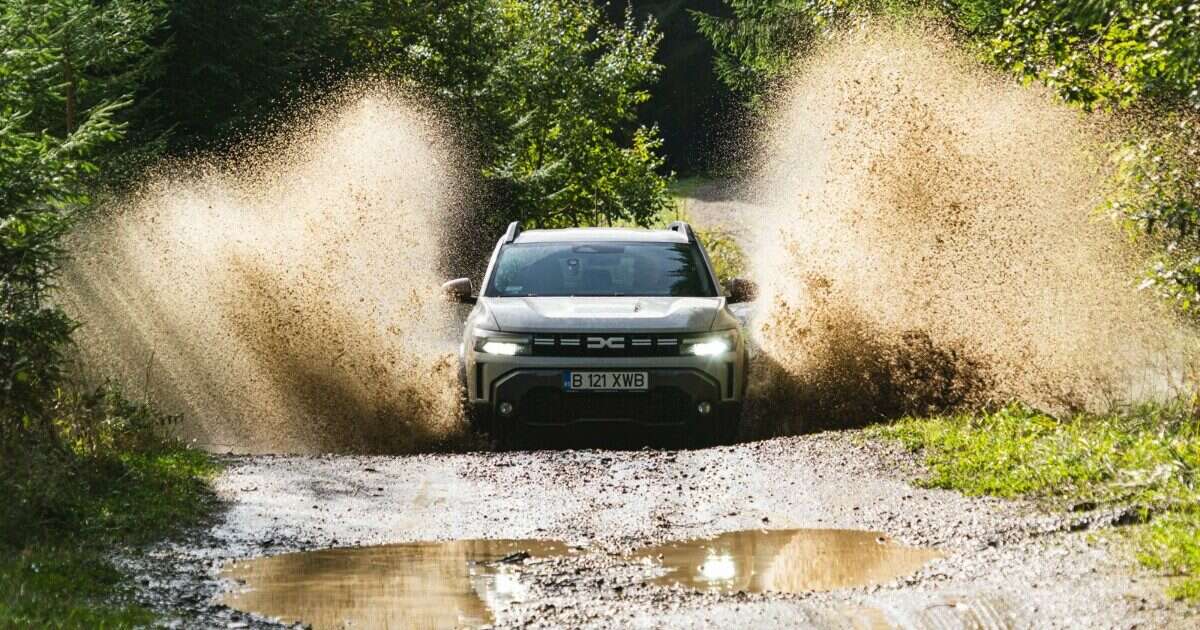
(704, 432)
(731, 423)
(478, 417)
(504, 432)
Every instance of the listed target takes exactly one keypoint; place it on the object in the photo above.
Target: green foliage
(1147, 457)
(66, 59)
(61, 516)
(761, 41)
(64, 588)
(35, 211)
(1155, 192)
(765, 39)
(1110, 54)
(1102, 53)
(728, 259)
(688, 103)
(550, 91)
(1098, 53)
(78, 473)
(224, 68)
(1171, 544)
(115, 481)
(1121, 54)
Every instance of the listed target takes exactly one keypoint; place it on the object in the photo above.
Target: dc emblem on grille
(612, 343)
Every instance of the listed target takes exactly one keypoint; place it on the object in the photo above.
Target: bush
(728, 259)
(108, 479)
(548, 93)
(1156, 193)
(108, 475)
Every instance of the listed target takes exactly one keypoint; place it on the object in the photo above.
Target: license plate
(608, 381)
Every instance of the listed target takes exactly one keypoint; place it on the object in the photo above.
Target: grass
(1146, 456)
(109, 483)
(48, 587)
(686, 186)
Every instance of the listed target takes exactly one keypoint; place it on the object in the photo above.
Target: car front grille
(605, 345)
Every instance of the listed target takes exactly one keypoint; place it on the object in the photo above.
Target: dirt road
(1005, 564)
(594, 522)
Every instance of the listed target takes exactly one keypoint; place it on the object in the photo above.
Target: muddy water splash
(930, 242)
(284, 299)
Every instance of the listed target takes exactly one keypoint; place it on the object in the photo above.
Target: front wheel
(718, 428)
(479, 417)
(511, 434)
(731, 423)
(728, 423)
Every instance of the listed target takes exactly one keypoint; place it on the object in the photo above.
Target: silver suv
(608, 325)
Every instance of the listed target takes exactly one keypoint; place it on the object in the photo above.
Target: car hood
(604, 314)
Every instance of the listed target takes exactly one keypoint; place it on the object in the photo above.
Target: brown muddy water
(931, 235)
(786, 560)
(464, 583)
(284, 298)
(411, 585)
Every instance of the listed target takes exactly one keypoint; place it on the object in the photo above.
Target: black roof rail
(513, 231)
(683, 228)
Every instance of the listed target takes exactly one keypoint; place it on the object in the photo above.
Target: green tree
(63, 65)
(1097, 53)
(1155, 191)
(761, 41)
(65, 58)
(1138, 56)
(545, 91)
(1143, 57)
(1101, 53)
(225, 67)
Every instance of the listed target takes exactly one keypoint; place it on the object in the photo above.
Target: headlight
(711, 345)
(494, 342)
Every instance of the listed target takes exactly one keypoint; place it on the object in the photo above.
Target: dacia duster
(612, 325)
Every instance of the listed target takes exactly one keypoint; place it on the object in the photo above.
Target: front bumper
(484, 371)
(677, 385)
(672, 398)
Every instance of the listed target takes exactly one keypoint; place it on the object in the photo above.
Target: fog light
(704, 408)
(506, 409)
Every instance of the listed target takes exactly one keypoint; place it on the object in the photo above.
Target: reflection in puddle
(786, 561)
(412, 585)
(462, 583)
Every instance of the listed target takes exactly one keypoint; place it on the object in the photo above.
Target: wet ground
(647, 539)
(434, 585)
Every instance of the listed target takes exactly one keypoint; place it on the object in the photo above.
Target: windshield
(600, 269)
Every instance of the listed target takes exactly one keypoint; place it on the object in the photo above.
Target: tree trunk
(69, 75)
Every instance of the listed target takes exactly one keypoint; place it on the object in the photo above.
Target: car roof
(569, 235)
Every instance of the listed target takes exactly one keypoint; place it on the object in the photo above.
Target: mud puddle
(786, 560)
(464, 583)
(411, 585)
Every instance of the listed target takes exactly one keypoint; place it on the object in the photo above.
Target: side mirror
(739, 290)
(459, 290)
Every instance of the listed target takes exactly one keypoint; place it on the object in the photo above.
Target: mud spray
(930, 242)
(284, 299)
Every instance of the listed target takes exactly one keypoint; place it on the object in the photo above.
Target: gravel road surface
(1006, 564)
